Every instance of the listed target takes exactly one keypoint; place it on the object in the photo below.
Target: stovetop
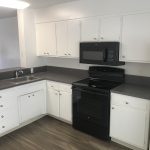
(97, 83)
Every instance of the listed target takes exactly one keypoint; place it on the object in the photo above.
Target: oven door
(92, 53)
(91, 112)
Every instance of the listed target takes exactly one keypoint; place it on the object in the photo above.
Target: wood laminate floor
(51, 134)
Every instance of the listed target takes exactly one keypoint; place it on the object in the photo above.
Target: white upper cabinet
(136, 38)
(110, 29)
(68, 38)
(45, 39)
(62, 40)
(73, 38)
(90, 29)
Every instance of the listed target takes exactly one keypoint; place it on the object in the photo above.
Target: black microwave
(99, 52)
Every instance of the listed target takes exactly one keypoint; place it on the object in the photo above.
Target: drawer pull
(1, 106)
(2, 116)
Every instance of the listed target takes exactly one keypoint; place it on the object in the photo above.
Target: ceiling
(7, 12)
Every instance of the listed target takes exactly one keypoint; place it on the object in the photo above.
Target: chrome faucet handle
(19, 72)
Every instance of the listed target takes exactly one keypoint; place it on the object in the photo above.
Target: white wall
(77, 9)
(27, 40)
(9, 43)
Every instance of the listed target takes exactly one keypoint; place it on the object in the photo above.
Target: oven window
(93, 55)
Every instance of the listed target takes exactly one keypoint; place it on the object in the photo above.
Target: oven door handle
(93, 92)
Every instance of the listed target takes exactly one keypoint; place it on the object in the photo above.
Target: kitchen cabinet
(110, 29)
(32, 101)
(101, 29)
(65, 105)
(73, 38)
(46, 39)
(129, 121)
(68, 38)
(31, 105)
(60, 101)
(53, 102)
(135, 38)
(9, 117)
(62, 39)
(90, 29)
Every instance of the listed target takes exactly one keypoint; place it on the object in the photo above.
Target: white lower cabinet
(60, 100)
(32, 101)
(129, 120)
(53, 102)
(31, 105)
(9, 117)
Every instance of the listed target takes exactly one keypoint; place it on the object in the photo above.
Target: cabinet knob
(102, 38)
(3, 127)
(33, 95)
(127, 103)
(52, 86)
(123, 57)
(95, 38)
(113, 107)
(28, 96)
(2, 116)
(65, 54)
(1, 106)
(0, 96)
(60, 94)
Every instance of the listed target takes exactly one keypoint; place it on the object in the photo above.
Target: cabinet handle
(1, 106)
(2, 116)
(3, 127)
(127, 103)
(113, 107)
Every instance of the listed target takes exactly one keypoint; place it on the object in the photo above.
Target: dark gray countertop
(64, 76)
(69, 76)
(139, 91)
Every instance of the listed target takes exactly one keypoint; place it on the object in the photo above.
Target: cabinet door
(90, 29)
(73, 38)
(66, 106)
(53, 102)
(32, 105)
(46, 39)
(110, 29)
(128, 125)
(136, 38)
(62, 36)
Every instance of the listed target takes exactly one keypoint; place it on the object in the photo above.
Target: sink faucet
(19, 73)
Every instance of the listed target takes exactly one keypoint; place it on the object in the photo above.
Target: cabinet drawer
(8, 103)
(65, 87)
(123, 100)
(8, 120)
(51, 84)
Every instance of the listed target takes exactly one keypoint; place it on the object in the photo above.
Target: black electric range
(91, 100)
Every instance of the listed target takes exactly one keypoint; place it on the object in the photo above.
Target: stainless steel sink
(23, 79)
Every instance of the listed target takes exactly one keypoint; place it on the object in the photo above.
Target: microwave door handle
(104, 55)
